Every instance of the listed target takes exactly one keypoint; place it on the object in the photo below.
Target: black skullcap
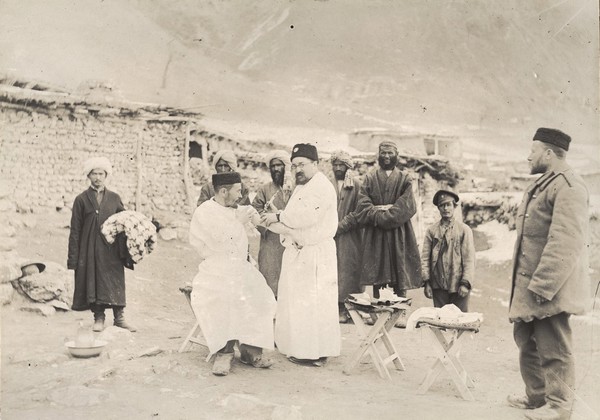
(226, 178)
(553, 136)
(306, 150)
(443, 195)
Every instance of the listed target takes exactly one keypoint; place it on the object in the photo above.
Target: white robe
(230, 297)
(307, 322)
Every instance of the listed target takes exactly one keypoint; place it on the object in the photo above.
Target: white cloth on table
(448, 314)
(230, 297)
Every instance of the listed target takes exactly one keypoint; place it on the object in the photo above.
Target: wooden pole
(138, 158)
(418, 199)
(186, 167)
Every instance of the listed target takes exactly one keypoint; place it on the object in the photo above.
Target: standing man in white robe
(230, 298)
(306, 324)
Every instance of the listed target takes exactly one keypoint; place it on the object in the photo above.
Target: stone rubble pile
(40, 288)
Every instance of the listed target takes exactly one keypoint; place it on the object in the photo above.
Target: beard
(387, 166)
(538, 168)
(301, 179)
(277, 177)
(339, 175)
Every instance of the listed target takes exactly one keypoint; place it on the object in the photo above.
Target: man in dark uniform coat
(550, 278)
(98, 265)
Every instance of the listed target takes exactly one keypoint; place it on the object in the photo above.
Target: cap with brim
(32, 267)
(306, 150)
(553, 136)
(226, 178)
(443, 196)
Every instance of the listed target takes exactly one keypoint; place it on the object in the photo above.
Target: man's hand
(427, 290)
(540, 299)
(383, 206)
(244, 214)
(463, 291)
(268, 218)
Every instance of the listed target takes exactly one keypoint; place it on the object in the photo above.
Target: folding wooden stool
(384, 318)
(195, 334)
(447, 350)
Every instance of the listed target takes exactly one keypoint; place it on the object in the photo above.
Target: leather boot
(98, 321)
(120, 319)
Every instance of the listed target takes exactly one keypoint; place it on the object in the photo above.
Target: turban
(443, 196)
(343, 157)
(228, 156)
(97, 163)
(387, 143)
(552, 136)
(226, 178)
(277, 154)
(306, 150)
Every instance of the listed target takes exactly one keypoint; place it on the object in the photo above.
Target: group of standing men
(320, 242)
(370, 226)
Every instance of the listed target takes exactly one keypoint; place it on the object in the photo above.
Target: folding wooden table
(384, 318)
(447, 350)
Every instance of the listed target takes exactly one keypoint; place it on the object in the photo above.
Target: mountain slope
(483, 69)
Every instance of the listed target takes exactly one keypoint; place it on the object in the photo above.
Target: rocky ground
(142, 376)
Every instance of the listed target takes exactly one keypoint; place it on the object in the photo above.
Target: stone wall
(42, 152)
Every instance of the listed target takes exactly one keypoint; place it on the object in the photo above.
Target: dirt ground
(41, 381)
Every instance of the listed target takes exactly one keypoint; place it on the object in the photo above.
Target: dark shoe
(308, 362)
(120, 320)
(321, 362)
(523, 402)
(98, 325)
(344, 317)
(98, 322)
(222, 364)
(259, 362)
(548, 412)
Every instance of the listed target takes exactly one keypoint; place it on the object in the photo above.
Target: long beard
(277, 178)
(390, 166)
(339, 175)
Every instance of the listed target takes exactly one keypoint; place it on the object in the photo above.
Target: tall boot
(120, 319)
(99, 317)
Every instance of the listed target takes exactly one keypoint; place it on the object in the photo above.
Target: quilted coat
(550, 255)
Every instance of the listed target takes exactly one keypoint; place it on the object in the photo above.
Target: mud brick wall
(42, 153)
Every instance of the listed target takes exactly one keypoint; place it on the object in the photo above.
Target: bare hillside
(489, 71)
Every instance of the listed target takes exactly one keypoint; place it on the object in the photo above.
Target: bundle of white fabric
(448, 314)
(139, 230)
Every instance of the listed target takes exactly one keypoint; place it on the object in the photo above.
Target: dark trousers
(441, 297)
(546, 359)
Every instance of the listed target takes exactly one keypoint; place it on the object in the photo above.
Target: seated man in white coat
(230, 297)
(306, 325)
